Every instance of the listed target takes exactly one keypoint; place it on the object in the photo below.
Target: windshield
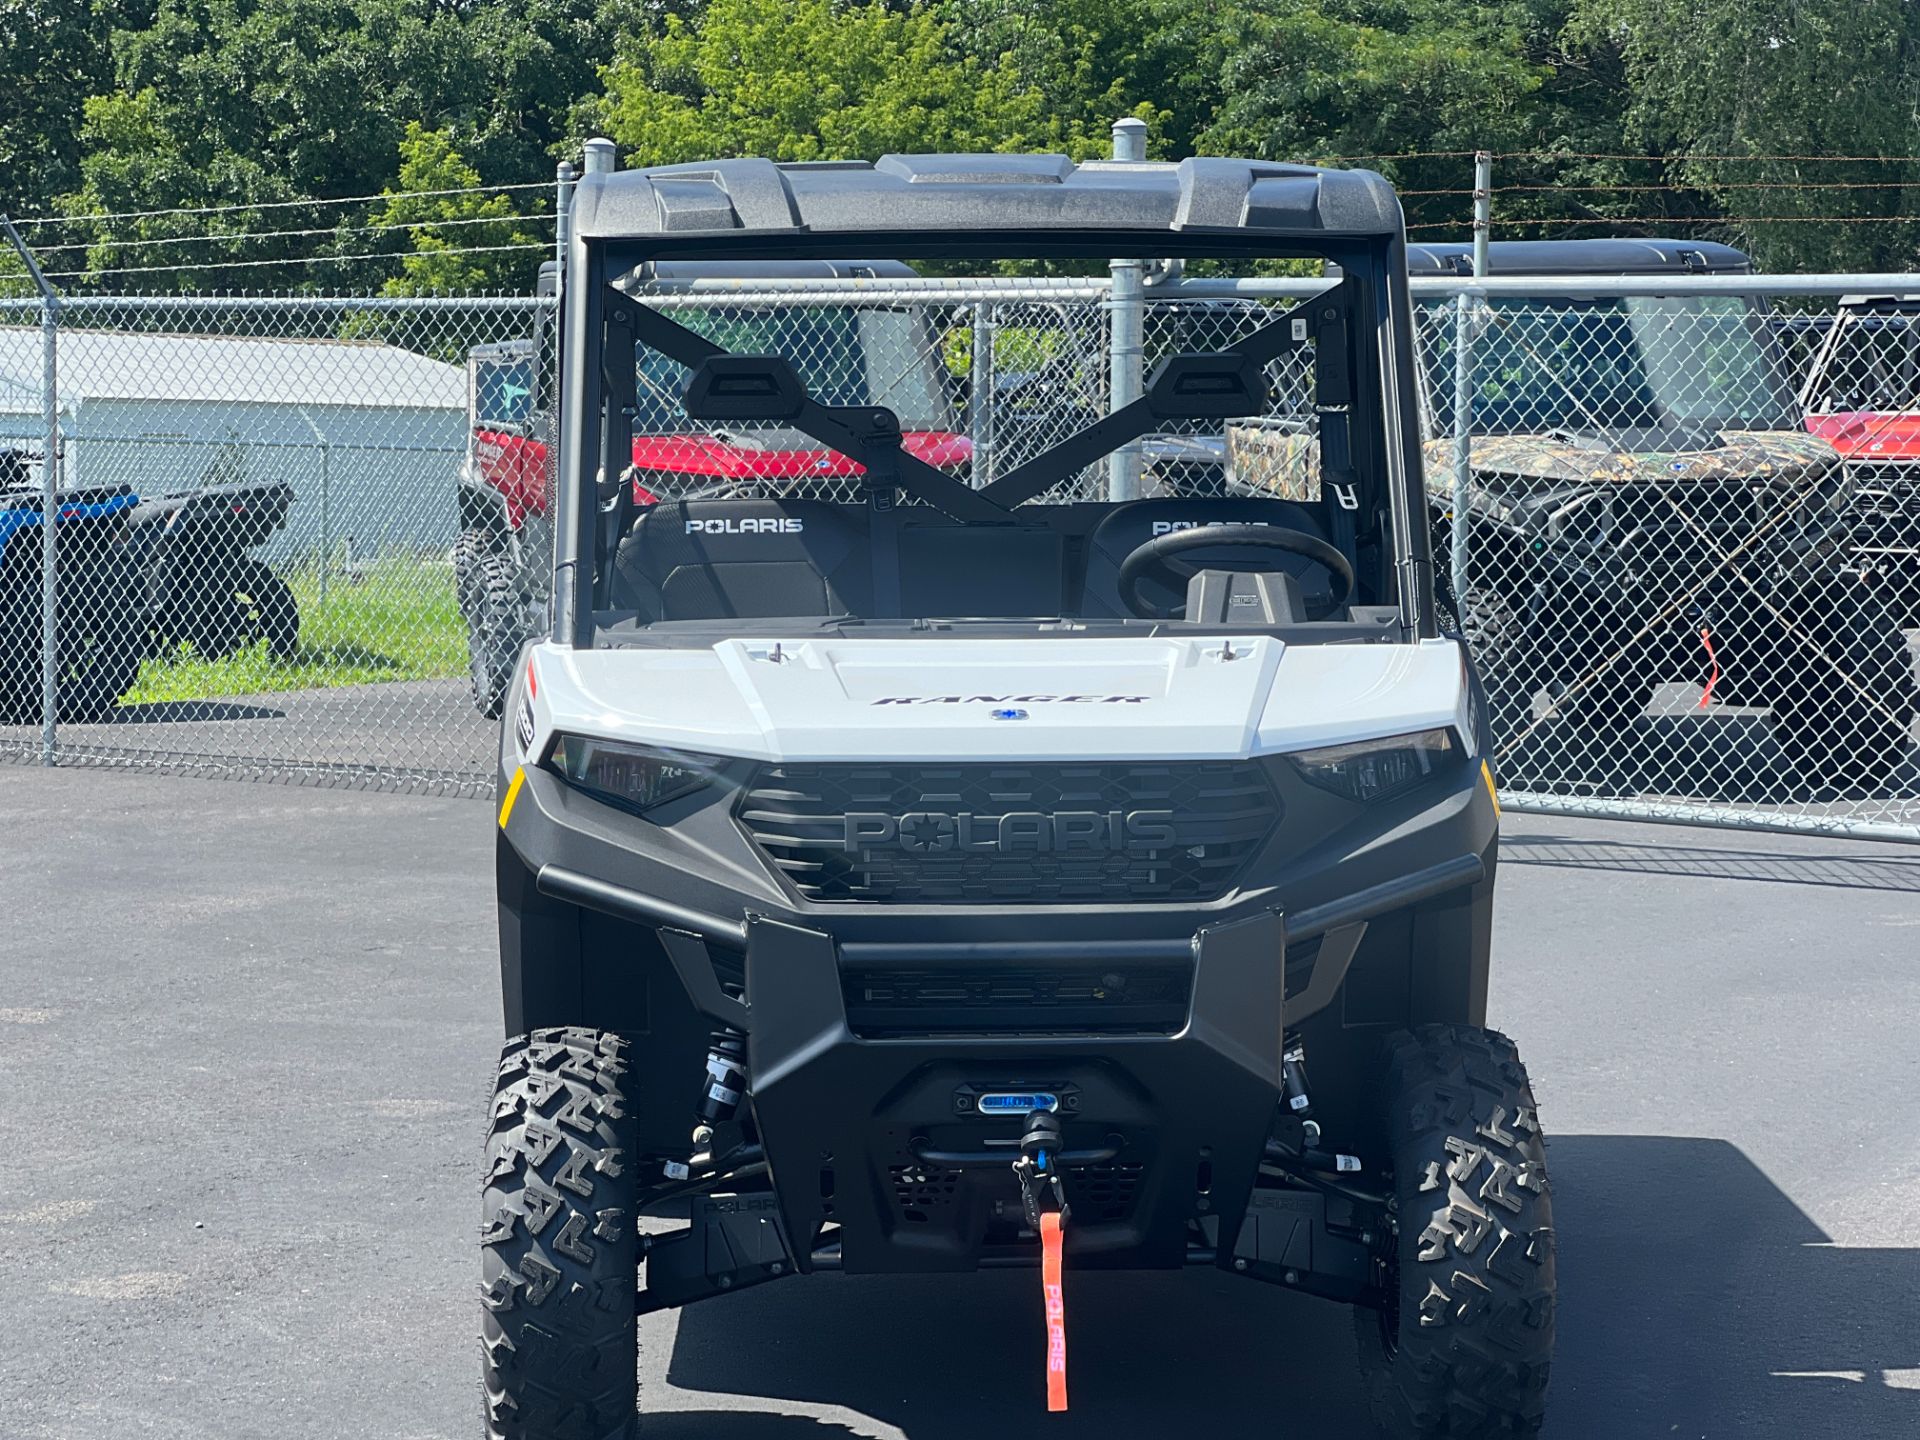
(844, 456)
(1631, 362)
(844, 355)
(1873, 365)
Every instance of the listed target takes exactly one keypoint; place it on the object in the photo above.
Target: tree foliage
(290, 128)
(436, 199)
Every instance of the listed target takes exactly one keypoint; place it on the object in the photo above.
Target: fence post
(1463, 337)
(1482, 209)
(49, 499)
(980, 398)
(1126, 328)
(563, 178)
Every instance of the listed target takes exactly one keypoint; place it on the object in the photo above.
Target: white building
(369, 435)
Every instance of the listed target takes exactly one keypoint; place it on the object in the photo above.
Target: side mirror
(745, 388)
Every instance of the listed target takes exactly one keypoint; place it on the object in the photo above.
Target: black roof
(969, 194)
(1582, 257)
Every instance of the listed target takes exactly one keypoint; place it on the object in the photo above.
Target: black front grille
(988, 834)
(1062, 998)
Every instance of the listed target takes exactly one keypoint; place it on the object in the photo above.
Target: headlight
(1376, 769)
(631, 776)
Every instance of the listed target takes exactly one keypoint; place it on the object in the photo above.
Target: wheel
(474, 542)
(268, 609)
(559, 1265)
(492, 603)
(102, 636)
(1462, 1349)
(1843, 706)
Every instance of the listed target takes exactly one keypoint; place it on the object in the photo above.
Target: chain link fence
(255, 513)
(303, 538)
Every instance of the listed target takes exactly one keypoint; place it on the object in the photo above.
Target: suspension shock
(1293, 1076)
(723, 1086)
(726, 1079)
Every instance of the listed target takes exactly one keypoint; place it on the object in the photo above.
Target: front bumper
(882, 1138)
(874, 1155)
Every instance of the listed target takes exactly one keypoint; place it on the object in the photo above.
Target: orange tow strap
(1056, 1302)
(1713, 667)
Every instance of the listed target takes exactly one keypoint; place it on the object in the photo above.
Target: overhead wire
(38, 221)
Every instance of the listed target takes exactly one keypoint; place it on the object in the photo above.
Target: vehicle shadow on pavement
(1714, 862)
(1696, 1300)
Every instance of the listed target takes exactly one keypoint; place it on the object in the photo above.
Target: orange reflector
(1486, 774)
(1056, 1301)
(513, 794)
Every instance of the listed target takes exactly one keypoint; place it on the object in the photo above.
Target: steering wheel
(1155, 560)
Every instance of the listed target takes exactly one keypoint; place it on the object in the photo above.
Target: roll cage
(994, 208)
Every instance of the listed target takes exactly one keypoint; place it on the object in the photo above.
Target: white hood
(955, 698)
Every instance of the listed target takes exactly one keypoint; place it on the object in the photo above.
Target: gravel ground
(248, 1030)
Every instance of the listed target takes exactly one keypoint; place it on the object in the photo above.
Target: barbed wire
(252, 236)
(1685, 159)
(44, 220)
(387, 256)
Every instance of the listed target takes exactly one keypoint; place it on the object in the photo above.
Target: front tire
(1464, 1351)
(270, 611)
(559, 1252)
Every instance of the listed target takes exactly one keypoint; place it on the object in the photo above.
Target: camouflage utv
(1647, 508)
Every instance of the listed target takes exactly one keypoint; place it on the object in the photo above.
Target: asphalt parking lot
(247, 1032)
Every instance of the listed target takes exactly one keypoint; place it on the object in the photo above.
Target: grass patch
(392, 619)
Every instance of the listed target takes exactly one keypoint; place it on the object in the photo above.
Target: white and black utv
(960, 875)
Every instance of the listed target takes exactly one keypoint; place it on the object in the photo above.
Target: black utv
(99, 637)
(921, 876)
(1648, 507)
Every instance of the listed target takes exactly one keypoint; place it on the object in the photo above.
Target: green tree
(1369, 79)
(1069, 69)
(257, 103)
(801, 80)
(1776, 79)
(443, 221)
(52, 56)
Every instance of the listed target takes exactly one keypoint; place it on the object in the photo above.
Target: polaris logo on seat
(925, 832)
(747, 525)
(1168, 527)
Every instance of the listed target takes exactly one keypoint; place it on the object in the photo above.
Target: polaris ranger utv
(1648, 507)
(948, 878)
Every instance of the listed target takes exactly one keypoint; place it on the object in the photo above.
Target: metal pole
(1463, 311)
(1482, 209)
(326, 515)
(49, 542)
(1127, 328)
(326, 500)
(1466, 306)
(563, 177)
(49, 498)
(980, 395)
(599, 155)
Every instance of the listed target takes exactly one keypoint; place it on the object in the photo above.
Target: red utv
(1862, 394)
(865, 353)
